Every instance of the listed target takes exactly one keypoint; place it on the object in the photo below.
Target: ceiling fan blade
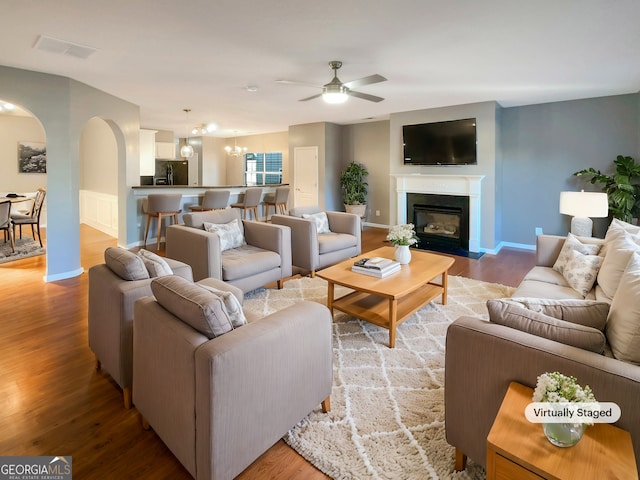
(365, 96)
(310, 98)
(294, 82)
(365, 81)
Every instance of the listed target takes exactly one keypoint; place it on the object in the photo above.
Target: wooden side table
(517, 448)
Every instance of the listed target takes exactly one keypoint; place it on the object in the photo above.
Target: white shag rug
(387, 405)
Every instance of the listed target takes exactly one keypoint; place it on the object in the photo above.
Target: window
(263, 168)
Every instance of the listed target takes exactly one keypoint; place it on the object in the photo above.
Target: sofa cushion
(155, 264)
(581, 271)
(231, 234)
(127, 265)
(617, 224)
(572, 244)
(619, 246)
(332, 242)
(623, 325)
(231, 303)
(541, 325)
(193, 304)
(321, 221)
(589, 313)
(247, 260)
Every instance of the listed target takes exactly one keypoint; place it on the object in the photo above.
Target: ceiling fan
(337, 92)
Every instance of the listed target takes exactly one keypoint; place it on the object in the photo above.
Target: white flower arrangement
(556, 388)
(404, 234)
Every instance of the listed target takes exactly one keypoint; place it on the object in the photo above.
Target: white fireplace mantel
(462, 185)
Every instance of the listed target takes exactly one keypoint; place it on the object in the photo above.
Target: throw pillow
(127, 265)
(195, 306)
(321, 221)
(589, 313)
(231, 303)
(544, 326)
(620, 245)
(581, 271)
(617, 224)
(573, 244)
(155, 264)
(623, 325)
(231, 234)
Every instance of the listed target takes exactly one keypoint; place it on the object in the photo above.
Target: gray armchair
(219, 403)
(312, 251)
(265, 258)
(114, 286)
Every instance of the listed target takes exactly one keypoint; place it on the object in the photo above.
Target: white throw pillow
(320, 219)
(620, 245)
(155, 264)
(581, 271)
(573, 244)
(231, 303)
(231, 234)
(617, 224)
(623, 324)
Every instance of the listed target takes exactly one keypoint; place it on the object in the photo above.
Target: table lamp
(583, 205)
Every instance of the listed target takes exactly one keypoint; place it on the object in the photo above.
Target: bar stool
(250, 203)
(212, 200)
(278, 201)
(160, 205)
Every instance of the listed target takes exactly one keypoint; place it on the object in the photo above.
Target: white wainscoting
(100, 211)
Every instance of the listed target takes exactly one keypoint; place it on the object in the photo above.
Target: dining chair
(161, 205)
(278, 201)
(250, 203)
(32, 218)
(5, 222)
(212, 200)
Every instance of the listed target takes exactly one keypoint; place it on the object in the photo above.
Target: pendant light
(187, 150)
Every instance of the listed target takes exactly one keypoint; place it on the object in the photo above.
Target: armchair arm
(482, 358)
(197, 248)
(276, 238)
(304, 236)
(261, 378)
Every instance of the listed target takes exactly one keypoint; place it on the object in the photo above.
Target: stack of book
(376, 267)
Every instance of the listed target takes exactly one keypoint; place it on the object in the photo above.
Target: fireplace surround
(466, 187)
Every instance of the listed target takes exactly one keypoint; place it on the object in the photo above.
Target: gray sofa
(114, 286)
(311, 250)
(219, 403)
(265, 258)
(483, 357)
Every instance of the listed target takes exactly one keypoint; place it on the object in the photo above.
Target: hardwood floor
(54, 402)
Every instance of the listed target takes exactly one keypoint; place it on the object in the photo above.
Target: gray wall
(543, 145)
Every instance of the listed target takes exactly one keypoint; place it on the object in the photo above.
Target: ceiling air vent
(49, 44)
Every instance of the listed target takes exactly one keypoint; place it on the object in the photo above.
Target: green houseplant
(622, 188)
(354, 187)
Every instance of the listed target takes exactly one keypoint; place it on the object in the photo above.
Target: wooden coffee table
(387, 302)
(517, 448)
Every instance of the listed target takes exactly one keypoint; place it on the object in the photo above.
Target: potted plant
(622, 188)
(354, 188)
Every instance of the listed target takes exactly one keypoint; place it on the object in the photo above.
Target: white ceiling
(165, 55)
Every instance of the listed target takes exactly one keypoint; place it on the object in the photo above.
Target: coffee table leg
(330, 297)
(393, 318)
(445, 278)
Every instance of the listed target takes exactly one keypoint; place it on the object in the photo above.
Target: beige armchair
(265, 258)
(311, 250)
(113, 288)
(219, 403)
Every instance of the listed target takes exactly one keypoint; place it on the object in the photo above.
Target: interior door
(305, 181)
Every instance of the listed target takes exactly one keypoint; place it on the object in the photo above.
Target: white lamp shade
(584, 204)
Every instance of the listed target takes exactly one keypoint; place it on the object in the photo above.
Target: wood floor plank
(54, 402)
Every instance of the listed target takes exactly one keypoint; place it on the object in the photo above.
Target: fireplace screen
(443, 222)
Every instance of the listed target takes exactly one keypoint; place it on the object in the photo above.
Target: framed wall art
(32, 157)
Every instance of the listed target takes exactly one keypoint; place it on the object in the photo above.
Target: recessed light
(252, 88)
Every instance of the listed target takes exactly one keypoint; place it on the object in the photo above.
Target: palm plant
(622, 188)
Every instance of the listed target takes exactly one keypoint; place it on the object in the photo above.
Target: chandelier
(204, 129)
(235, 151)
(187, 150)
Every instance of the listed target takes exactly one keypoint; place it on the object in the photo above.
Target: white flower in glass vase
(404, 234)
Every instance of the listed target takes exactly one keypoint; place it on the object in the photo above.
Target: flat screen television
(440, 143)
